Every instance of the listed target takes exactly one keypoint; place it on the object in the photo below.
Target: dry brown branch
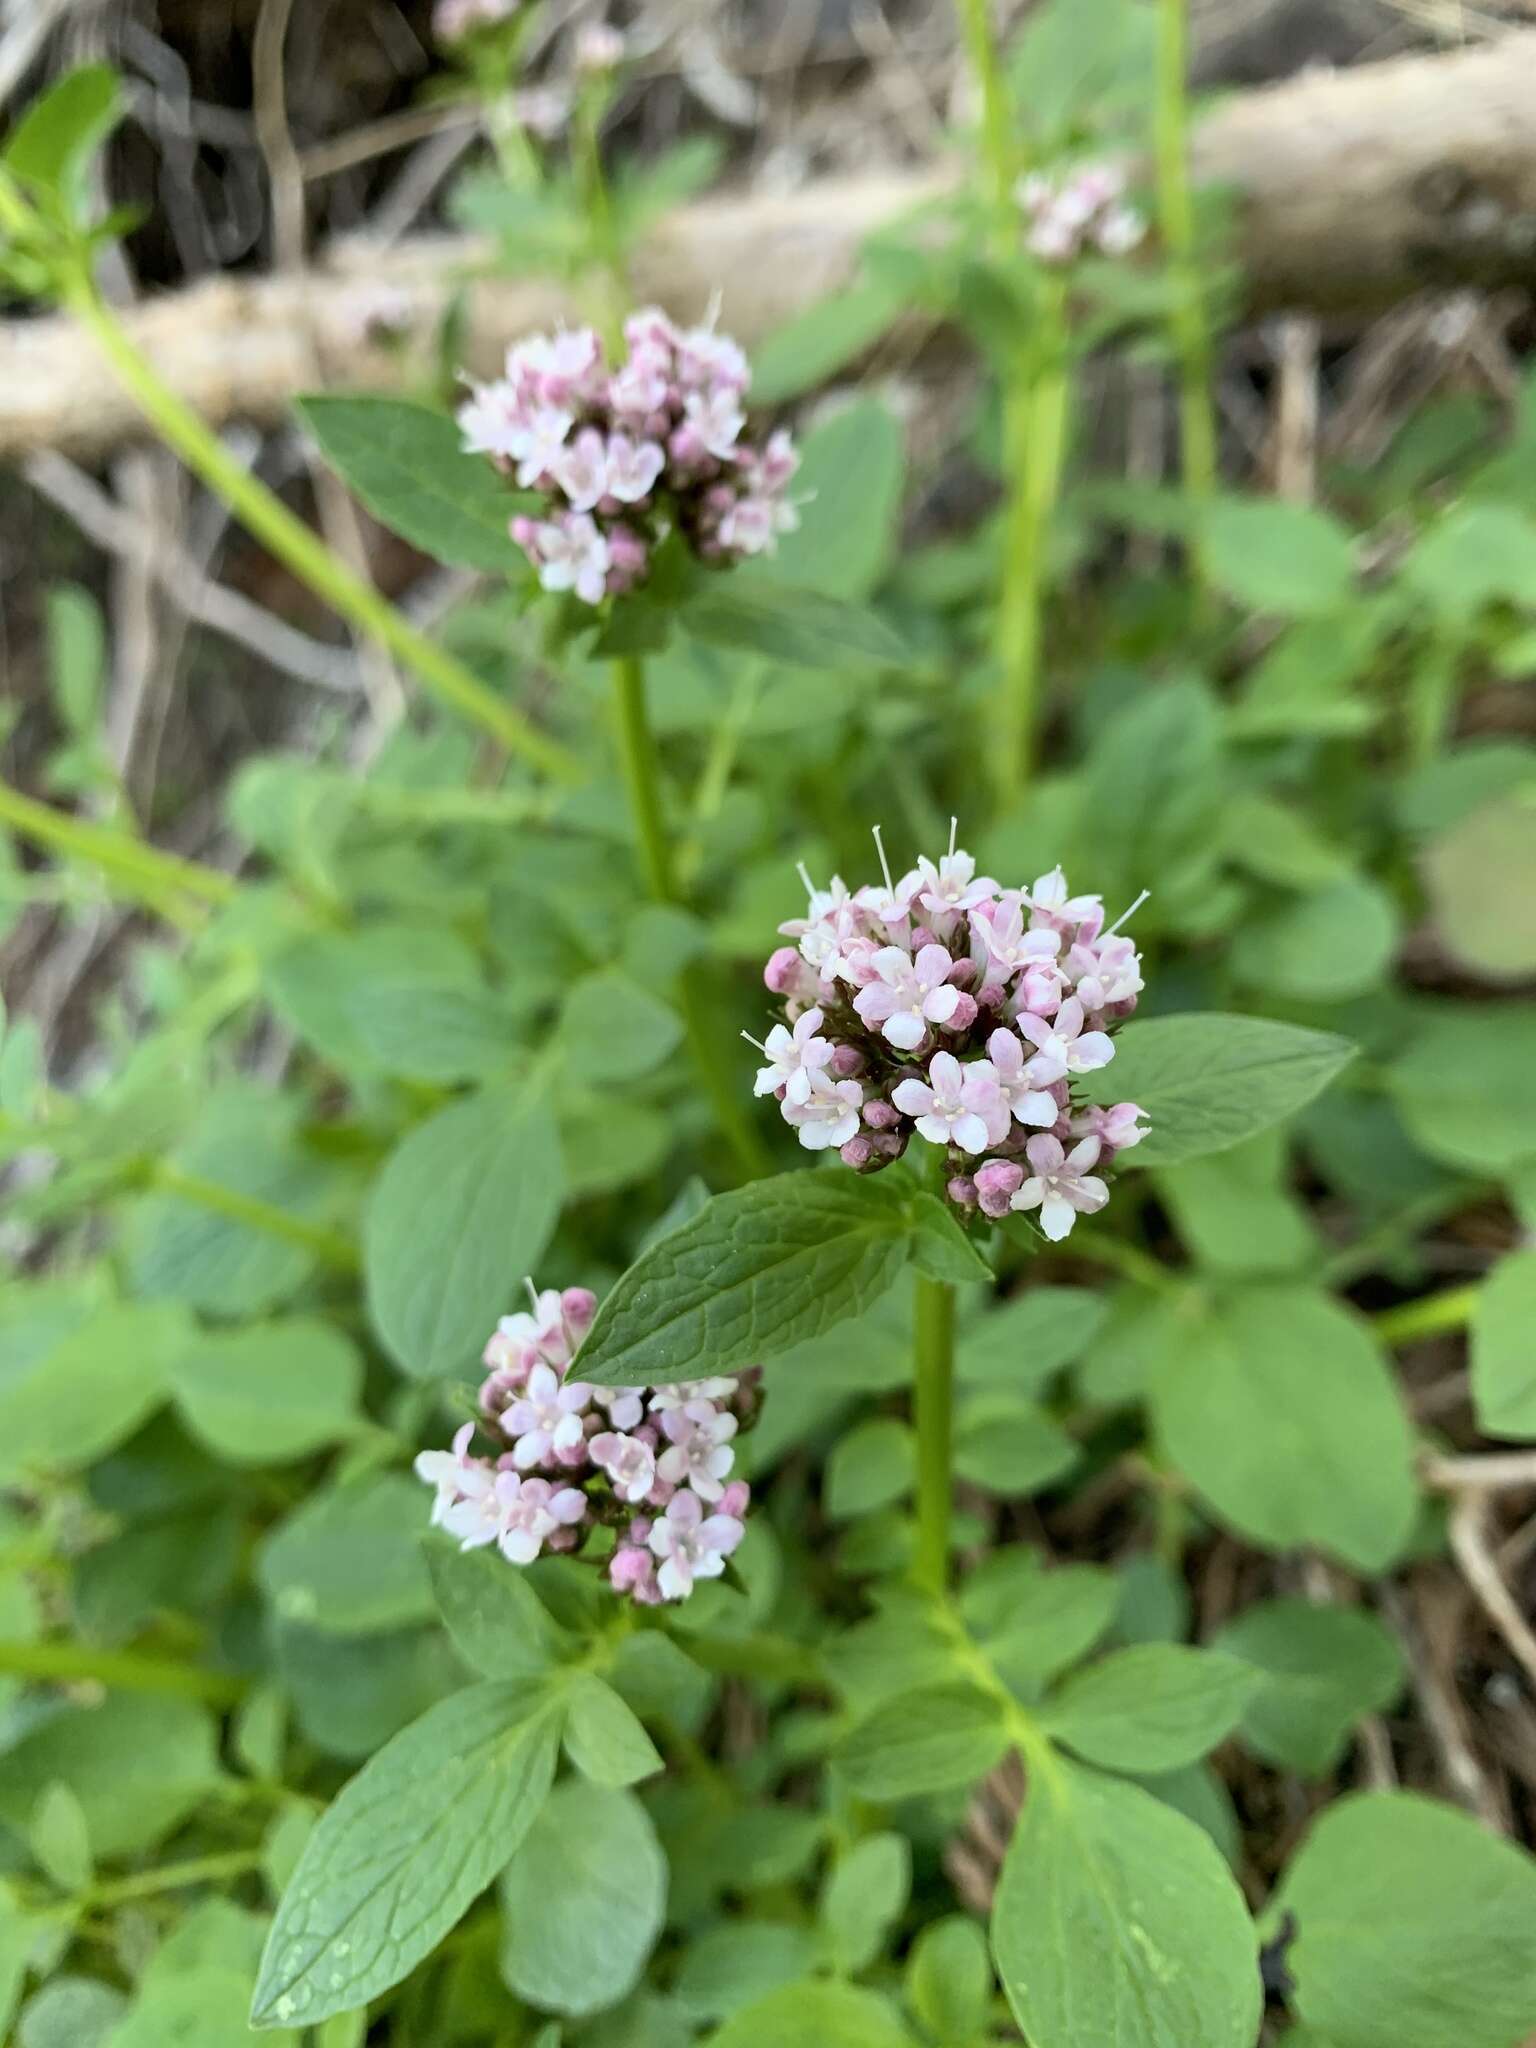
(1354, 190)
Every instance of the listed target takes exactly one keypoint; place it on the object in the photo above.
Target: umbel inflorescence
(1081, 210)
(567, 1459)
(625, 454)
(946, 1008)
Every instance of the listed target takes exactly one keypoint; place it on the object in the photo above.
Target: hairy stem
(933, 1416)
(1451, 1309)
(1176, 219)
(302, 551)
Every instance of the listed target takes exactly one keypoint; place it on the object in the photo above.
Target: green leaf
(407, 464)
(1023, 1344)
(1035, 1622)
(614, 1029)
(1010, 1446)
(247, 1141)
(1207, 1082)
(801, 627)
(755, 1271)
(603, 1736)
(461, 1212)
(1236, 1212)
(51, 146)
(1504, 1348)
(401, 1852)
(850, 479)
(269, 1392)
(924, 1741)
(737, 1963)
(812, 347)
(582, 1901)
(814, 2015)
(949, 1979)
(59, 1837)
(1413, 1928)
(1116, 1920)
(1465, 1086)
(499, 1624)
(71, 2012)
(865, 1894)
(1474, 556)
(137, 1766)
(1492, 932)
(349, 1561)
(1320, 947)
(75, 1384)
(1323, 1669)
(1282, 1411)
(871, 1467)
(76, 657)
(1291, 559)
(940, 1248)
(1152, 1708)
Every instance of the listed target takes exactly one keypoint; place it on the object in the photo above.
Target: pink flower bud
(961, 1191)
(734, 1499)
(991, 996)
(881, 1116)
(965, 1013)
(578, 1305)
(782, 974)
(847, 1062)
(859, 1153)
(996, 1183)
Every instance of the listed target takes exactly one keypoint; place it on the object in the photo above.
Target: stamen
(767, 1055)
(954, 826)
(1126, 915)
(805, 875)
(533, 1292)
(885, 866)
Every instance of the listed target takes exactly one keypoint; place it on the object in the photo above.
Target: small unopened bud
(859, 1153)
(578, 1305)
(964, 1014)
(881, 1116)
(846, 1063)
(782, 974)
(991, 996)
(961, 1191)
(996, 1184)
(890, 1144)
(734, 1499)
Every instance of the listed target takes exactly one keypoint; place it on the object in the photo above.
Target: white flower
(625, 1406)
(955, 1106)
(689, 1545)
(475, 1517)
(449, 1472)
(953, 883)
(717, 419)
(547, 1419)
(793, 1056)
(1022, 1102)
(909, 995)
(629, 1462)
(1010, 946)
(680, 1392)
(1062, 1046)
(1049, 897)
(1060, 1185)
(581, 470)
(829, 1115)
(698, 1453)
(574, 556)
(633, 467)
(530, 1512)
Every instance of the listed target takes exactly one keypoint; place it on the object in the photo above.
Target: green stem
(74, 1664)
(162, 881)
(933, 1361)
(1176, 218)
(329, 1246)
(606, 252)
(996, 140)
(301, 550)
(642, 780)
(1452, 1309)
(170, 1877)
(1035, 436)
(642, 777)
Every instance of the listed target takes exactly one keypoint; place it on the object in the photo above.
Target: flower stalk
(299, 549)
(933, 1391)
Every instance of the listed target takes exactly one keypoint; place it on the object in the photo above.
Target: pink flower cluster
(568, 1457)
(452, 20)
(1085, 209)
(626, 455)
(946, 1007)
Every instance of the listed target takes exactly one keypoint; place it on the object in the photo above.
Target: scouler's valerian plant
(1078, 210)
(625, 454)
(945, 1007)
(650, 1467)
